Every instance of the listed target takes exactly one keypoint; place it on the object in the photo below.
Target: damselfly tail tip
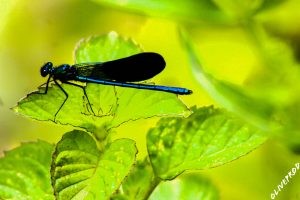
(185, 92)
(190, 91)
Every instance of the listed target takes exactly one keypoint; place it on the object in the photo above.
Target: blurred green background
(33, 32)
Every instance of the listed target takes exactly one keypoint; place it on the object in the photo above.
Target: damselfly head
(46, 69)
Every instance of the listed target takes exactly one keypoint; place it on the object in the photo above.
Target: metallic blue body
(175, 90)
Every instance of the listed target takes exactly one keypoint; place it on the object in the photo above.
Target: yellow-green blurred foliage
(33, 32)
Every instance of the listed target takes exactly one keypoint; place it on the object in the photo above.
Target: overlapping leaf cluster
(83, 167)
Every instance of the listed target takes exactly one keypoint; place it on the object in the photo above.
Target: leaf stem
(156, 180)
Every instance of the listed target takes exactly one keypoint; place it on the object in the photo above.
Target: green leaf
(81, 171)
(25, 172)
(253, 109)
(187, 187)
(238, 9)
(268, 4)
(282, 88)
(139, 183)
(105, 48)
(245, 10)
(208, 138)
(188, 10)
(112, 105)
